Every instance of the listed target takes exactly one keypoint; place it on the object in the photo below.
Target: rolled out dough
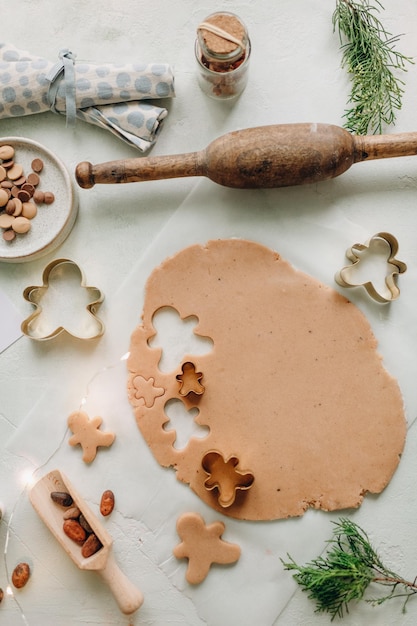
(293, 387)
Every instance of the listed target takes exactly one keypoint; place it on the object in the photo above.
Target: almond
(74, 530)
(107, 502)
(91, 545)
(20, 575)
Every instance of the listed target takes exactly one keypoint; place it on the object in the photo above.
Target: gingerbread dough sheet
(294, 388)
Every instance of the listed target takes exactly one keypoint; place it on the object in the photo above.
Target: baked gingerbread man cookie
(202, 545)
(86, 433)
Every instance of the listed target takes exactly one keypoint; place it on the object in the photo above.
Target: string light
(28, 477)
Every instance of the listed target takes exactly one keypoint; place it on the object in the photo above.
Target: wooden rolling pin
(267, 156)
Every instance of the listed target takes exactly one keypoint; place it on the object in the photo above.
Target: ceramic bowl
(53, 222)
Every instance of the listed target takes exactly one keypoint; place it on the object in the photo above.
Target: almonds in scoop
(72, 513)
(91, 545)
(74, 530)
(62, 497)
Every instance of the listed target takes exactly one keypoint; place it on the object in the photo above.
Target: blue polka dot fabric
(115, 97)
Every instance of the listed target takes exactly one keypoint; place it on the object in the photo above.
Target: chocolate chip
(37, 165)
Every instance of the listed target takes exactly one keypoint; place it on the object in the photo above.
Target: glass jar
(222, 51)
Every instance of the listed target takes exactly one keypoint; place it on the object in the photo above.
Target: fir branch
(370, 58)
(345, 572)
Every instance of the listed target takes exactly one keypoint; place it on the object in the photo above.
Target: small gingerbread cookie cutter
(344, 277)
(190, 380)
(34, 326)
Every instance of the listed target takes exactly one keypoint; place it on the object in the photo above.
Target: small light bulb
(27, 478)
(9, 591)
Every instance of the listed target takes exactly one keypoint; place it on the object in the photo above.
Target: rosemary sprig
(371, 60)
(345, 572)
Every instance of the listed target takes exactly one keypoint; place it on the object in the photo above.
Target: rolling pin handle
(84, 175)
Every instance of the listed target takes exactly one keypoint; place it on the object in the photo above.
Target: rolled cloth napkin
(109, 95)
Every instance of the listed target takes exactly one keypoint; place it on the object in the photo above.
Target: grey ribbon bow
(64, 69)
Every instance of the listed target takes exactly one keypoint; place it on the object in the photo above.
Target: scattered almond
(20, 575)
(107, 502)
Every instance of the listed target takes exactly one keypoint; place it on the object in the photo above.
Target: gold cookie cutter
(344, 277)
(190, 380)
(66, 271)
(224, 476)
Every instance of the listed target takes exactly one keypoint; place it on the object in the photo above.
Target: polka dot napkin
(112, 96)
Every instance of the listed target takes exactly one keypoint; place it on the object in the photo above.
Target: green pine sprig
(346, 571)
(371, 60)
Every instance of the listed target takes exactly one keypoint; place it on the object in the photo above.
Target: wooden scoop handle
(128, 597)
(266, 156)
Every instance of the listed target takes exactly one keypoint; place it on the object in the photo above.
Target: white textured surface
(121, 233)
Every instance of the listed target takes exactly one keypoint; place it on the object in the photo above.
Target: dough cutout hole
(176, 337)
(183, 422)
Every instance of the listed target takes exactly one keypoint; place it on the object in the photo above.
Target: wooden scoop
(267, 156)
(128, 597)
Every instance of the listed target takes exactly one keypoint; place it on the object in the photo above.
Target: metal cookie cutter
(224, 476)
(63, 304)
(380, 243)
(190, 380)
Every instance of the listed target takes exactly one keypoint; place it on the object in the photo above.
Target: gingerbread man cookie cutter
(190, 380)
(345, 277)
(224, 477)
(35, 327)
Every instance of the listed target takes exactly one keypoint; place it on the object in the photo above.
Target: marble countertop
(123, 231)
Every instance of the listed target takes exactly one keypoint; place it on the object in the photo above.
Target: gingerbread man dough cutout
(87, 434)
(202, 545)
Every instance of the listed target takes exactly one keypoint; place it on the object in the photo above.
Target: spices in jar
(222, 51)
